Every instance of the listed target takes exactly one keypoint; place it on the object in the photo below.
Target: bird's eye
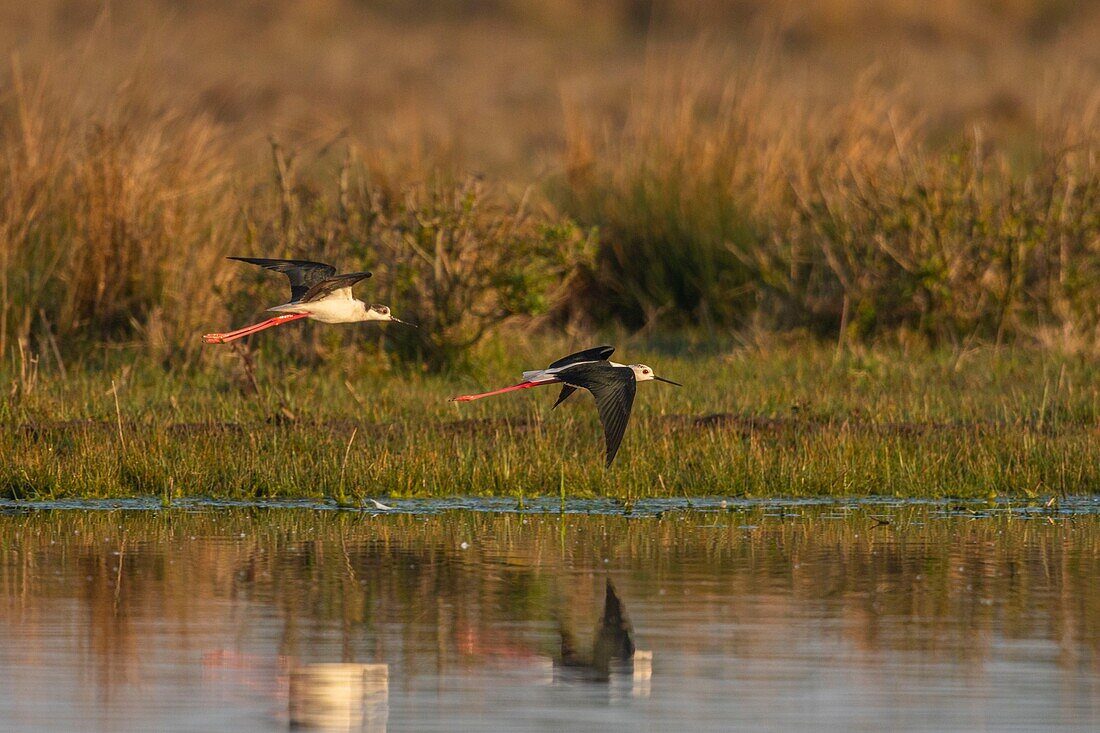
(645, 371)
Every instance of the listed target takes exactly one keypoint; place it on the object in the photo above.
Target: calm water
(745, 617)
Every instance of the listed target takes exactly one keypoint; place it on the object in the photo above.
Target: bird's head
(382, 313)
(643, 373)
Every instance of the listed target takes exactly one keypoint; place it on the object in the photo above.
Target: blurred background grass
(858, 170)
(482, 82)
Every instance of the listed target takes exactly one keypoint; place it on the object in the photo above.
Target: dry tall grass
(111, 227)
(114, 229)
(862, 168)
(974, 240)
(743, 203)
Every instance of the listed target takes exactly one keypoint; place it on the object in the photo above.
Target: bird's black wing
(331, 284)
(566, 390)
(303, 274)
(614, 389)
(597, 353)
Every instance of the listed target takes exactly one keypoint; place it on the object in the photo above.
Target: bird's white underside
(338, 307)
(642, 372)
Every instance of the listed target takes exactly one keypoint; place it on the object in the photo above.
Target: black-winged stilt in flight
(613, 385)
(316, 292)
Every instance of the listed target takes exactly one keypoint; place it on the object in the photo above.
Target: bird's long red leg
(513, 388)
(222, 338)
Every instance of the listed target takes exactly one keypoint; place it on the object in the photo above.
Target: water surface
(747, 616)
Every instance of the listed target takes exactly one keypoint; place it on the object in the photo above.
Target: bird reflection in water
(341, 696)
(614, 660)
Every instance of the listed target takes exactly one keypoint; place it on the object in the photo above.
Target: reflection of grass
(778, 420)
(956, 579)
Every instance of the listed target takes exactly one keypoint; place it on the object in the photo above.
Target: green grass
(779, 420)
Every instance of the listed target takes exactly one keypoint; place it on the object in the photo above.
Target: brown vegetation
(865, 169)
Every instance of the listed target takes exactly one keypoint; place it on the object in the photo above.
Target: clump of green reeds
(668, 191)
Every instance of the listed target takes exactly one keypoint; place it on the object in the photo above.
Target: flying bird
(316, 292)
(612, 384)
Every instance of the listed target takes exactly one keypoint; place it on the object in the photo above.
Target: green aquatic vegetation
(772, 421)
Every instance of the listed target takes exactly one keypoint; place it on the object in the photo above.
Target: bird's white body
(316, 292)
(339, 307)
(541, 376)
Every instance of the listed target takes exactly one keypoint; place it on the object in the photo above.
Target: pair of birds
(317, 292)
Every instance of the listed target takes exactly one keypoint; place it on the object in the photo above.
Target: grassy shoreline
(779, 420)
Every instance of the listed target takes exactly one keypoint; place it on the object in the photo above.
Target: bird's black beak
(403, 323)
(666, 381)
